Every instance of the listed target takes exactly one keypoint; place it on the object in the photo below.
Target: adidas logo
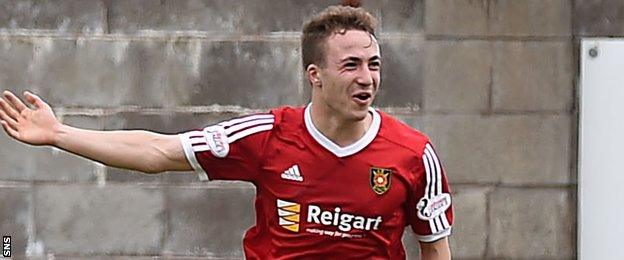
(288, 213)
(292, 174)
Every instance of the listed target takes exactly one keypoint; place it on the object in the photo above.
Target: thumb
(34, 99)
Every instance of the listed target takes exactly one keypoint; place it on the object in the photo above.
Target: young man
(335, 178)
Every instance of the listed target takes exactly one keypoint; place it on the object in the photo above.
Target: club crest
(380, 180)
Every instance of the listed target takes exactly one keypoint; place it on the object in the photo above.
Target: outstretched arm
(137, 150)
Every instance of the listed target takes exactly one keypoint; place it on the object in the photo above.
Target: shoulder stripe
(232, 122)
(441, 222)
(249, 131)
(427, 174)
(429, 187)
(248, 124)
(438, 171)
(431, 183)
(433, 187)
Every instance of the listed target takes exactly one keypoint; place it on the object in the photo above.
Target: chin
(359, 115)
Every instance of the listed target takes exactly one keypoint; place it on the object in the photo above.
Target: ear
(314, 75)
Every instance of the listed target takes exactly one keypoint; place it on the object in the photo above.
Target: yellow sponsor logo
(288, 213)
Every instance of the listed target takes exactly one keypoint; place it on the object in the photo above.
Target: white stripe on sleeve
(245, 119)
(438, 168)
(249, 131)
(434, 175)
(429, 175)
(248, 124)
(443, 218)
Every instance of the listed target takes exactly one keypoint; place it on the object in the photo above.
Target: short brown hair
(334, 19)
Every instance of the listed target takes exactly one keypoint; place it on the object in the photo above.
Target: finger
(12, 132)
(17, 103)
(8, 109)
(34, 99)
(8, 119)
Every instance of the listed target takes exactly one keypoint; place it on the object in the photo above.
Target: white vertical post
(601, 150)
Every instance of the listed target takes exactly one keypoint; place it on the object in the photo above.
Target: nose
(365, 77)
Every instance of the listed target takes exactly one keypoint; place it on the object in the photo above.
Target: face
(347, 83)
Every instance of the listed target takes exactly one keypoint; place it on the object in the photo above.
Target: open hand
(32, 126)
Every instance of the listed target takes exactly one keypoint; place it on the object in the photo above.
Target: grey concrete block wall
(219, 16)
(84, 220)
(530, 17)
(210, 227)
(456, 17)
(598, 18)
(501, 149)
(467, 88)
(490, 81)
(532, 76)
(402, 72)
(471, 231)
(62, 16)
(27, 163)
(533, 233)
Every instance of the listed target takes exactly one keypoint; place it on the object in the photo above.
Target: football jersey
(315, 199)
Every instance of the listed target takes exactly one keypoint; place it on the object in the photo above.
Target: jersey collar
(333, 147)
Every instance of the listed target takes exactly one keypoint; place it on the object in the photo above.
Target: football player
(334, 178)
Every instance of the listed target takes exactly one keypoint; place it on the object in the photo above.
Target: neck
(336, 128)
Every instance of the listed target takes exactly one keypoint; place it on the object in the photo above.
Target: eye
(374, 65)
(350, 65)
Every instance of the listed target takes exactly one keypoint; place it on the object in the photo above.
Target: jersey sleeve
(430, 211)
(230, 150)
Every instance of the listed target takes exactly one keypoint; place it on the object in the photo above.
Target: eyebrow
(357, 59)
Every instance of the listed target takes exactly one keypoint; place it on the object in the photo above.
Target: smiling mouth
(362, 96)
(362, 99)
